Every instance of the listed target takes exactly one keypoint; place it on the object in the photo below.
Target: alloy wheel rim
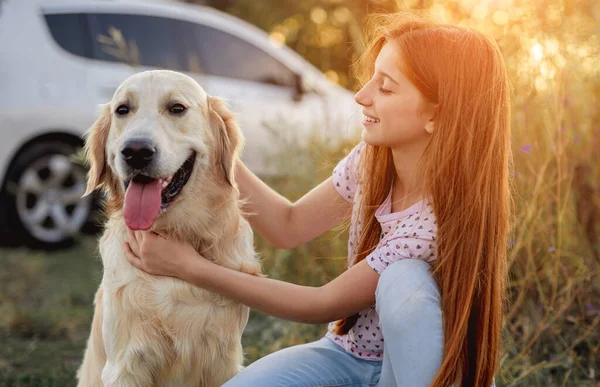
(49, 201)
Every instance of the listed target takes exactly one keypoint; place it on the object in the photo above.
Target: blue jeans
(410, 316)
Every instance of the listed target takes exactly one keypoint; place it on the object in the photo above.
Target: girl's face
(395, 112)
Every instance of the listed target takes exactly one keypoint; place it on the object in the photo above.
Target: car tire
(43, 207)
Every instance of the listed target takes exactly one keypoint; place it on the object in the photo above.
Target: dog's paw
(252, 268)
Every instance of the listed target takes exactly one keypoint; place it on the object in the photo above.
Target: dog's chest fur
(179, 321)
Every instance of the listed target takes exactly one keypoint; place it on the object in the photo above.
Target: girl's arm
(285, 224)
(349, 293)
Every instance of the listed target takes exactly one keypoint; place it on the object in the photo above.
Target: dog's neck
(211, 225)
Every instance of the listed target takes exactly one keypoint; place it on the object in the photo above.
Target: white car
(61, 59)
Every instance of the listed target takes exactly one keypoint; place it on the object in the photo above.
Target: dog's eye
(122, 110)
(177, 108)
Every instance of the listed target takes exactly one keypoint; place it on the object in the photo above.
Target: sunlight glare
(332, 75)
(541, 84)
(439, 11)
(277, 38)
(480, 12)
(318, 15)
(547, 70)
(537, 51)
(552, 47)
(342, 15)
(500, 18)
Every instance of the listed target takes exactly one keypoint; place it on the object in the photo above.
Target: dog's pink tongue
(142, 204)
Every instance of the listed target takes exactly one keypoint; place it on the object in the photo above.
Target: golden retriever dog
(164, 152)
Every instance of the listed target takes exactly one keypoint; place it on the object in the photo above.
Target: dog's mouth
(146, 197)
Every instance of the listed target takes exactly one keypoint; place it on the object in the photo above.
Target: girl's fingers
(133, 259)
(130, 235)
(133, 242)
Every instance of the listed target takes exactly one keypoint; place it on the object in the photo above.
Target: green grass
(46, 312)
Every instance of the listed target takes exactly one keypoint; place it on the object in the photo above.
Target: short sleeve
(345, 174)
(419, 245)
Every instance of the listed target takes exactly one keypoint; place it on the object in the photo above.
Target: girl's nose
(362, 97)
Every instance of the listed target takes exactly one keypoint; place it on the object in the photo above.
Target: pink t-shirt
(410, 233)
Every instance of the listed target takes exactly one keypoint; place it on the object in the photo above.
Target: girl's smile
(369, 120)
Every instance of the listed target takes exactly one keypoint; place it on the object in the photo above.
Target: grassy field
(45, 312)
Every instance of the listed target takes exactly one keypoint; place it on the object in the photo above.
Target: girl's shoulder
(346, 173)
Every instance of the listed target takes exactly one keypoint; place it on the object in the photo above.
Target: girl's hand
(156, 255)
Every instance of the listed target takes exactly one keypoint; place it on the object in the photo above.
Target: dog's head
(160, 133)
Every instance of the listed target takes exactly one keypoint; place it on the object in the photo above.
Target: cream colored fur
(161, 331)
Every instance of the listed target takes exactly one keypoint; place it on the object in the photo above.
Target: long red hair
(466, 173)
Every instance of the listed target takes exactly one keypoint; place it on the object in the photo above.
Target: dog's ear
(229, 137)
(95, 150)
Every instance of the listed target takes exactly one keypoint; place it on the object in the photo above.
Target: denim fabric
(408, 304)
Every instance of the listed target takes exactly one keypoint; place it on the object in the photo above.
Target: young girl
(427, 188)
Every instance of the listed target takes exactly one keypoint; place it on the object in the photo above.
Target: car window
(70, 32)
(137, 40)
(215, 52)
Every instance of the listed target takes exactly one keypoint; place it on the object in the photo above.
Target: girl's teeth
(369, 119)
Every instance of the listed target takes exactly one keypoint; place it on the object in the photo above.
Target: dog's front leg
(94, 358)
(135, 350)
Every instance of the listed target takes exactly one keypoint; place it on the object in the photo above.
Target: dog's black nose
(138, 153)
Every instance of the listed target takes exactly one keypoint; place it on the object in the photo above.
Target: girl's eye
(384, 91)
(177, 108)
(122, 110)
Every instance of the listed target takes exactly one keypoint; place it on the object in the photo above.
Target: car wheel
(43, 195)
